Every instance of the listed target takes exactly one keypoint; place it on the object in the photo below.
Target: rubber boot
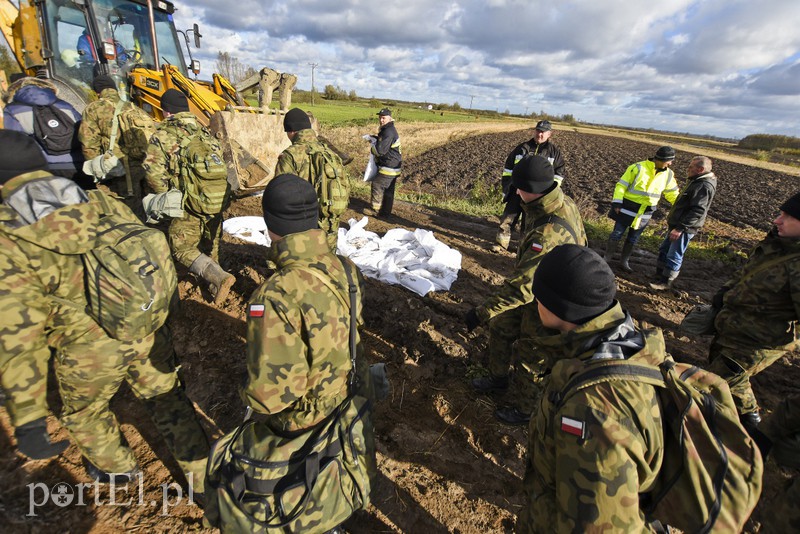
(660, 274)
(611, 249)
(219, 281)
(666, 282)
(287, 83)
(627, 250)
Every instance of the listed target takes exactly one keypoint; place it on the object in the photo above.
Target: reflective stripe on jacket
(638, 191)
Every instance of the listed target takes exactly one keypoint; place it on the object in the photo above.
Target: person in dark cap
(313, 160)
(758, 311)
(511, 312)
(134, 128)
(47, 223)
(389, 160)
(195, 237)
(299, 328)
(636, 197)
(592, 451)
(541, 145)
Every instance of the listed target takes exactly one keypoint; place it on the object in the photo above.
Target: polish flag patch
(256, 310)
(536, 247)
(573, 426)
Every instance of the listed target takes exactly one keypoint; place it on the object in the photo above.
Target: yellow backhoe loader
(135, 42)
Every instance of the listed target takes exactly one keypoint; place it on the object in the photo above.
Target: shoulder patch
(256, 310)
(536, 247)
(573, 426)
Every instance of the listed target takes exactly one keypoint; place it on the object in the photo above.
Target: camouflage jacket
(590, 458)
(133, 134)
(160, 163)
(40, 269)
(295, 160)
(517, 290)
(761, 304)
(298, 334)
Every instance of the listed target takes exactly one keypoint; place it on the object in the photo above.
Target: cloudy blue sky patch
(720, 67)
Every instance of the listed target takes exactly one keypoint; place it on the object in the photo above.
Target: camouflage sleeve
(24, 353)
(517, 290)
(598, 465)
(89, 134)
(277, 355)
(286, 164)
(156, 164)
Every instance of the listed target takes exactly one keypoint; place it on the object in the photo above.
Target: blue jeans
(670, 253)
(619, 229)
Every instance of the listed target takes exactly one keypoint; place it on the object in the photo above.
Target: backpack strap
(555, 219)
(352, 290)
(112, 143)
(609, 371)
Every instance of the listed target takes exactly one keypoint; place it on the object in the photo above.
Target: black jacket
(689, 212)
(387, 148)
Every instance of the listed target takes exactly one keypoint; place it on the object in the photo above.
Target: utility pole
(526, 111)
(471, 98)
(313, 66)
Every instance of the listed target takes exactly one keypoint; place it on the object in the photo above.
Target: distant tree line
(770, 142)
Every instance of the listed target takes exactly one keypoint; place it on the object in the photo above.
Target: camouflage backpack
(129, 275)
(332, 184)
(710, 477)
(203, 174)
(311, 480)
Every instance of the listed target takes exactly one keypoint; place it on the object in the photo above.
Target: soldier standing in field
(195, 237)
(134, 128)
(304, 158)
(553, 219)
(389, 160)
(43, 302)
(540, 145)
(299, 323)
(758, 311)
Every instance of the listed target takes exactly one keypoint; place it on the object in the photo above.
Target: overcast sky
(721, 67)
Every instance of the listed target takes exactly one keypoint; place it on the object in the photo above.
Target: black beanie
(533, 174)
(574, 283)
(174, 101)
(19, 153)
(665, 153)
(792, 206)
(295, 120)
(290, 205)
(103, 82)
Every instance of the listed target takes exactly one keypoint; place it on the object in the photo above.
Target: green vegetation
(770, 142)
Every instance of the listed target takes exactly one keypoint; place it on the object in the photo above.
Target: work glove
(34, 442)
(472, 320)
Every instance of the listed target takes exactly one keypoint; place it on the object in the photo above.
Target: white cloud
(705, 67)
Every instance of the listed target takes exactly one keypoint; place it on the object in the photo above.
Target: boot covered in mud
(219, 281)
(666, 281)
(503, 237)
(611, 249)
(285, 88)
(625, 258)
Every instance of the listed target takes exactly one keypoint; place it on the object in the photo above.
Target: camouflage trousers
(331, 227)
(737, 365)
(507, 349)
(193, 235)
(382, 193)
(130, 197)
(89, 373)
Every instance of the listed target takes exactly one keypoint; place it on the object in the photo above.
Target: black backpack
(54, 130)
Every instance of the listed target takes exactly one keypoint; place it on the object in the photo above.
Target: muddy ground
(446, 464)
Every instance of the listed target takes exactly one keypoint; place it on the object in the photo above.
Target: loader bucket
(252, 143)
